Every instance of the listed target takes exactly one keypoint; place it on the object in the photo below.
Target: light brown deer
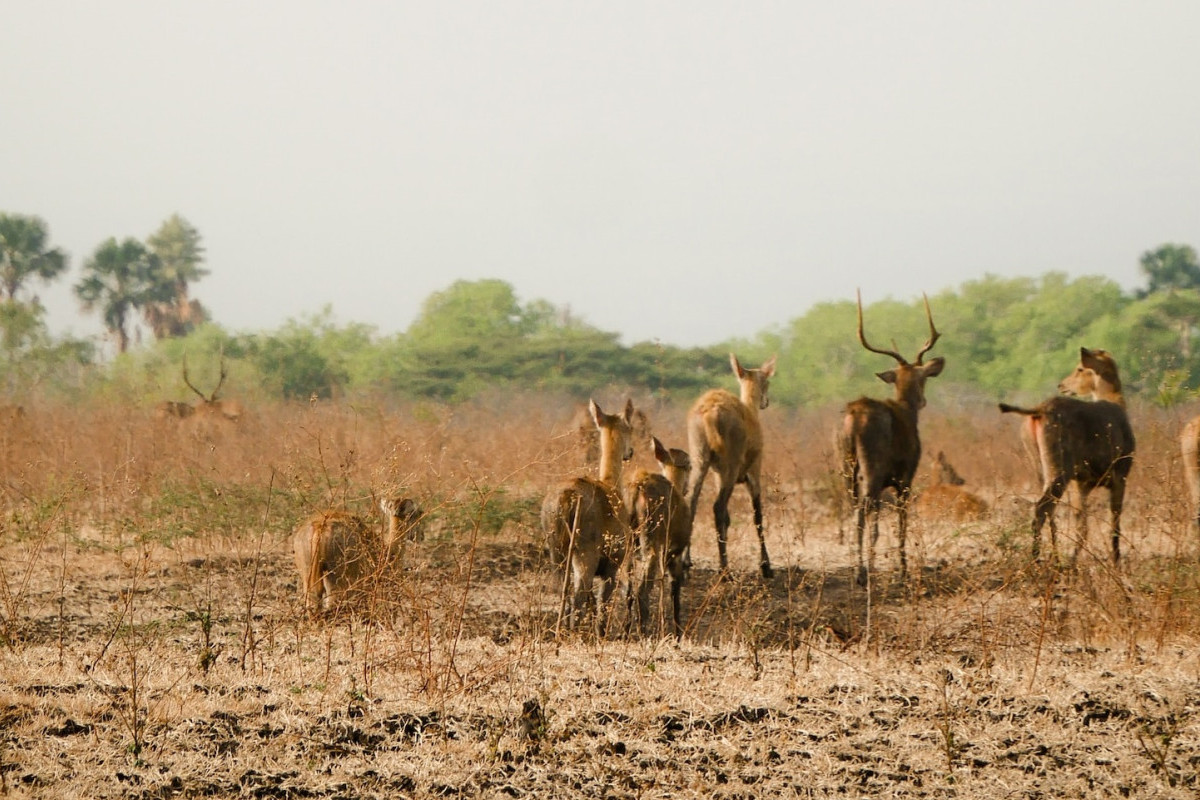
(1089, 442)
(946, 497)
(341, 555)
(209, 406)
(663, 524)
(589, 438)
(1189, 445)
(586, 523)
(725, 435)
(880, 443)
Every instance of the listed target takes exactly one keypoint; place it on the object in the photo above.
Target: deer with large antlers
(725, 435)
(1089, 442)
(663, 524)
(880, 444)
(585, 520)
(209, 405)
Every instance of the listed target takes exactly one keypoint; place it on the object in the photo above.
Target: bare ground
(137, 670)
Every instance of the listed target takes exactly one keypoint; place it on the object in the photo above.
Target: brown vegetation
(725, 435)
(1189, 447)
(153, 644)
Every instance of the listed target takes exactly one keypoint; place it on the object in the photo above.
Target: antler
(224, 372)
(189, 383)
(933, 332)
(863, 339)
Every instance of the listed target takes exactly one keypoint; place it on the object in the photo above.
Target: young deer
(1189, 445)
(339, 553)
(1088, 442)
(946, 498)
(880, 444)
(585, 521)
(663, 523)
(724, 433)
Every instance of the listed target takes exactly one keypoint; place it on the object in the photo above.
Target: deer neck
(610, 467)
(1106, 391)
(751, 398)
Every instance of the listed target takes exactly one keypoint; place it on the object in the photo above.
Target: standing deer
(724, 433)
(663, 523)
(1089, 442)
(880, 444)
(1189, 445)
(338, 553)
(585, 521)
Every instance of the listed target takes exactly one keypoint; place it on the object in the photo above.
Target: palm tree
(177, 246)
(118, 279)
(24, 255)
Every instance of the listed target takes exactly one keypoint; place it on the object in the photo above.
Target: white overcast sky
(686, 172)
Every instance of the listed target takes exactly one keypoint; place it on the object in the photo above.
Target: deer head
(909, 379)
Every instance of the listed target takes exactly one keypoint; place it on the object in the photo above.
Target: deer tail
(1005, 408)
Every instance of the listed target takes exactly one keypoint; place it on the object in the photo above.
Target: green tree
(1170, 266)
(179, 254)
(118, 279)
(24, 253)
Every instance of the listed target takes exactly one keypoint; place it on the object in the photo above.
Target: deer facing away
(725, 435)
(1189, 446)
(1089, 442)
(339, 554)
(663, 523)
(585, 521)
(880, 445)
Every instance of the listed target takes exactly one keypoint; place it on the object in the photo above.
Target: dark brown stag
(880, 445)
(1089, 442)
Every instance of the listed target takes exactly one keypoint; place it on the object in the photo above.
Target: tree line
(1002, 337)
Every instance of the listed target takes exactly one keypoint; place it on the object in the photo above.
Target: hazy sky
(677, 171)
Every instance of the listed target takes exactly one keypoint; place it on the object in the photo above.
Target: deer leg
(1116, 501)
(695, 484)
(583, 572)
(764, 561)
(721, 519)
(676, 570)
(902, 529)
(1079, 511)
(860, 522)
(1045, 508)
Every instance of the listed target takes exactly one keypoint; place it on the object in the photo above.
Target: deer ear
(408, 508)
(595, 411)
(629, 411)
(768, 367)
(737, 367)
(887, 377)
(661, 455)
(934, 367)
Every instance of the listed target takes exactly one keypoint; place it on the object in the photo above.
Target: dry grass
(152, 645)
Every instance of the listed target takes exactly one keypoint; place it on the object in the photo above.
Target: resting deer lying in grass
(663, 523)
(1189, 445)
(724, 433)
(946, 498)
(880, 444)
(1088, 442)
(585, 520)
(340, 554)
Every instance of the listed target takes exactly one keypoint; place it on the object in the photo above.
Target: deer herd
(611, 530)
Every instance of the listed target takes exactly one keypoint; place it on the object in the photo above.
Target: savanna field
(153, 643)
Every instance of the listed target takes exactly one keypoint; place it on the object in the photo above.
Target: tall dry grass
(146, 579)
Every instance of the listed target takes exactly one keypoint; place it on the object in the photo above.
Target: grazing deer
(1089, 442)
(339, 553)
(724, 433)
(1189, 444)
(585, 521)
(880, 444)
(946, 497)
(663, 522)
